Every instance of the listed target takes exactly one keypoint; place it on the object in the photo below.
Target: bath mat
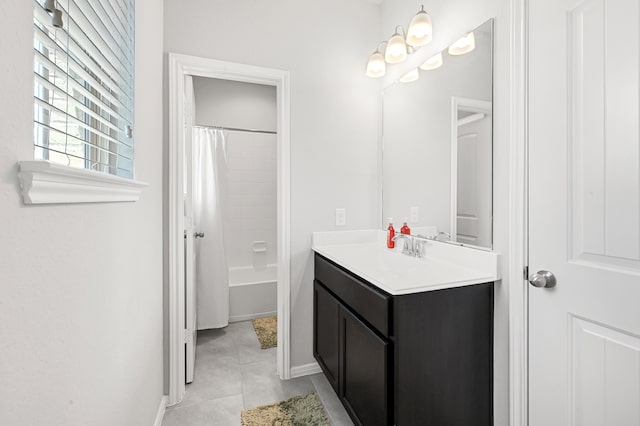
(267, 331)
(302, 410)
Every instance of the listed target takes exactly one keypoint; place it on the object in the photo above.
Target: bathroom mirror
(437, 145)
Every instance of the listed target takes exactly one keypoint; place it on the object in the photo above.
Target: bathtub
(252, 292)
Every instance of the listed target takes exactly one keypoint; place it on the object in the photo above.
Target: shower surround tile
(250, 197)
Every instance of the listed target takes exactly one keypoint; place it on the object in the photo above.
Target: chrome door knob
(199, 235)
(543, 279)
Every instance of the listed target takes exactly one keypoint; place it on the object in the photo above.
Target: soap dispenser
(390, 234)
(405, 228)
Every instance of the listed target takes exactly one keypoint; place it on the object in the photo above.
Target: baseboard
(238, 318)
(161, 410)
(305, 370)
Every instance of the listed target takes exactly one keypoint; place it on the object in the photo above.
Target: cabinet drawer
(371, 304)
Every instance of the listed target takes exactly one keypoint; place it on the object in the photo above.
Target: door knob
(543, 279)
(198, 235)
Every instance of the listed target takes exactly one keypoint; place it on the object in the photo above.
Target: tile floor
(232, 374)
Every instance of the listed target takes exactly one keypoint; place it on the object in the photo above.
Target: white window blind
(83, 84)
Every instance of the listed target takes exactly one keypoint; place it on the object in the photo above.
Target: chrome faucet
(435, 237)
(412, 246)
(418, 247)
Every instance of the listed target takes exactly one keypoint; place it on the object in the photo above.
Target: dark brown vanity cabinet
(416, 359)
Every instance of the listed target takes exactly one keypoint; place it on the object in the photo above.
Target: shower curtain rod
(235, 129)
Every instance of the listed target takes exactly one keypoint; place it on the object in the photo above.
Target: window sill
(42, 182)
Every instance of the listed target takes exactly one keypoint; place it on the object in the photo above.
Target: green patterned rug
(267, 331)
(302, 410)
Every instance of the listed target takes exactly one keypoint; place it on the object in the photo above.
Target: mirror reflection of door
(471, 172)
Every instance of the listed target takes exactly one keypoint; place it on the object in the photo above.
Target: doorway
(181, 69)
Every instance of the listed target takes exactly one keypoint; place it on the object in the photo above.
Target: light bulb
(420, 30)
(464, 44)
(412, 75)
(432, 63)
(376, 66)
(396, 51)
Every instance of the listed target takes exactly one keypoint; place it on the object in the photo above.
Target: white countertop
(444, 265)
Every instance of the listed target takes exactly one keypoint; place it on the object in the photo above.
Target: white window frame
(45, 182)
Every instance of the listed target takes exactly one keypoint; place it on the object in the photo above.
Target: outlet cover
(415, 215)
(341, 217)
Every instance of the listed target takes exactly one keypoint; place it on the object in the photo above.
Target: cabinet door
(364, 380)
(326, 328)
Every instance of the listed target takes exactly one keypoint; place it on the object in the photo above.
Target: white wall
(250, 195)
(335, 110)
(81, 306)
(450, 19)
(235, 104)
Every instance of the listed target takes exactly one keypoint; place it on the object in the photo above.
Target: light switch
(341, 217)
(415, 215)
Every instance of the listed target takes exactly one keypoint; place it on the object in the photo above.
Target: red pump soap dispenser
(390, 234)
(405, 228)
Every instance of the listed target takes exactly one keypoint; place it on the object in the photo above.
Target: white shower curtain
(212, 283)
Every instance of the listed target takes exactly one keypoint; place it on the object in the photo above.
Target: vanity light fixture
(396, 50)
(432, 63)
(376, 66)
(412, 75)
(401, 44)
(464, 44)
(420, 30)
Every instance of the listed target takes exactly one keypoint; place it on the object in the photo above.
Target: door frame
(191, 316)
(469, 105)
(518, 214)
(180, 66)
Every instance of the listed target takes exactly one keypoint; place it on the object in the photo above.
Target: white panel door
(474, 181)
(584, 212)
(191, 331)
